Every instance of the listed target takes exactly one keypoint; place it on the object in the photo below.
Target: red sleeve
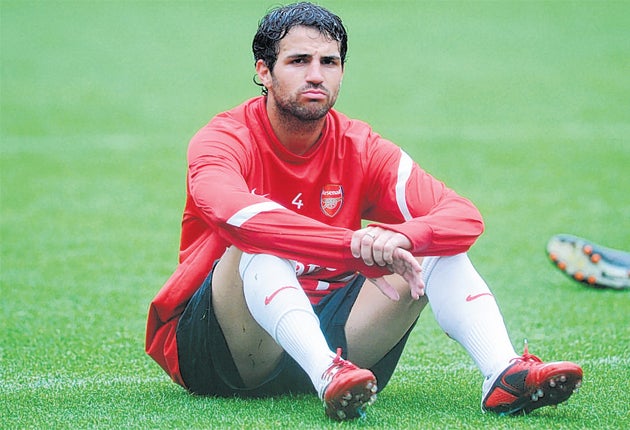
(436, 219)
(218, 165)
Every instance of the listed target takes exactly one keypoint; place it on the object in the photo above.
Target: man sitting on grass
(279, 288)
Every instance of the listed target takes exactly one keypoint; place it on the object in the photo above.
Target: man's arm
(255, 224)
(409, 201)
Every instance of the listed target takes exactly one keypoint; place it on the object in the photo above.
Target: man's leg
(263, 310)
(255, 353)
(376, 323)
(277, 302)
(461, 302)
(466, 310)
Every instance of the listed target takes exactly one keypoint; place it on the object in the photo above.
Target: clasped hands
(389, 249)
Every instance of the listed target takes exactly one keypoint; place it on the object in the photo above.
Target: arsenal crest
(331, 199)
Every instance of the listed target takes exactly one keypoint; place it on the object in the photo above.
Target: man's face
(307, 75)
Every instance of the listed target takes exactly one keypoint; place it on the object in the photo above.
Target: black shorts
(207, 367)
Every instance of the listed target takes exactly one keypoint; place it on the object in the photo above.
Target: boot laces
(338, 366)
(527, 357)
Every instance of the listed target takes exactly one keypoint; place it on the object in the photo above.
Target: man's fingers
(417, 291)
(406, 258)
(383, 247)
(407, 266)
(367, 243)
(386, 288)
(355, 244)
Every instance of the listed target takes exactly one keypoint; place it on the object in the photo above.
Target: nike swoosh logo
(261, 195)
(470, 298)
(268, 299)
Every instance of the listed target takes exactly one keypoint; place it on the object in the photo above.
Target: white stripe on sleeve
(245, 214)
(404, 172)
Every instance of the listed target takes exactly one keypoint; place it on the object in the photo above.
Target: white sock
(279, 305)
(466, 310)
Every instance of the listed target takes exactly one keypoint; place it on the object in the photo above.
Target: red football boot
(349, 390)
(529, 384)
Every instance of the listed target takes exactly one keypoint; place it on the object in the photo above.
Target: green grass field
(524, 107)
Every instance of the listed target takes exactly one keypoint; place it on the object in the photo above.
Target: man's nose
(314, 73)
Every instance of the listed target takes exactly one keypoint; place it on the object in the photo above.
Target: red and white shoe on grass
(529, 384)
(348, 389)
(590, 263)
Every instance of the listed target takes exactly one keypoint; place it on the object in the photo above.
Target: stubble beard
(302, 114)
(305, 112)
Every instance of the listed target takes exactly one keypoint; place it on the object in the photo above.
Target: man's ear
(263, 72)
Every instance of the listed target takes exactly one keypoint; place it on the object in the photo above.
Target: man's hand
(383, 247)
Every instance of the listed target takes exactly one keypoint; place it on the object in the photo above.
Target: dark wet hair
(278, 21)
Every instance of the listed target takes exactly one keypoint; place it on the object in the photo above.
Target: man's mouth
(317, 94)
